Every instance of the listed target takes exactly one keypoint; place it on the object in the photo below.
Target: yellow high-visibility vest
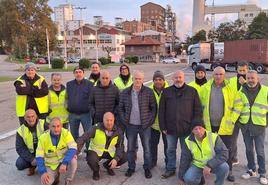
(203, 151)
(232, 107)
(27, 136)
(54, 155)
(258, 111)
(233, 83)
(120, 84)
(157, 97)
(93, 81)
(97, 144)
(57, 106)
(21, 100)
(196, 86)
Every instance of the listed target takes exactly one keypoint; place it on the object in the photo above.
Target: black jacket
(178, 108)
(147, 106)
(102, 100)
(77, 95)
(91, 134)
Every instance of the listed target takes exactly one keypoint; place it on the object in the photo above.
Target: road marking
(13, 132)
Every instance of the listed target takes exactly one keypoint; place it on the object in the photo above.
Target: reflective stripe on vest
(120, 84)
(202, 154)
(53, 155)
(258, 111)
(93, 81)
(21, 100)
(98, 143)
(57, 106)
(27, 136)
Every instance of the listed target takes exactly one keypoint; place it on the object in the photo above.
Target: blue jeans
(21, 164)
(74, 121)
(172, 142)
(132, 132)
(259, 147)
(193, 174)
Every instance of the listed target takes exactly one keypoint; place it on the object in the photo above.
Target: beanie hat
(30, 65)
(124, 65)
(200, 68)
(197, 122)
(158, 74)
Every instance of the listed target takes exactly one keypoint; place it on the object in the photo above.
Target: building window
(132, 48)
(246, 15)
(123, 49)
(117, 41)
(117, 49)
(251, 15)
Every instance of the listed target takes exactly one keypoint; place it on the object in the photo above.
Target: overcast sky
(130, 9)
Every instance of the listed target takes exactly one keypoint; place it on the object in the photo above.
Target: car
(170, 60)
(40, 61)
(74, 60)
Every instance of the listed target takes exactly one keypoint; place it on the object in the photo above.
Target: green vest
(97, 143)
(120, 84)
(21, 100)
(232, 107)
(27, 136)
(93, 81)
(233, 84)
(196, 86)
(57, 106)
(157, 97)
(203, 151)
(258, 111)
(54, 155)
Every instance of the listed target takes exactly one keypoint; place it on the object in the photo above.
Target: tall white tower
(63, 14)
(198, 15)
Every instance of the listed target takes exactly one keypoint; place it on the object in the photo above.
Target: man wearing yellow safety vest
(26, 141)
(200, 78)
(236, 84)
(253, 122)
(157, 86)
(55, 152)
(202, 153)
(32, 91)
(57, 101)
(221, 109)
(124, 79)
(106, 142)
(95, 73)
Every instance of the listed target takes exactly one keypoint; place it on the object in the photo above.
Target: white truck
(209, 55)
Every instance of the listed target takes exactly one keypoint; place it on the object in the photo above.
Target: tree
(199, 36)
(26, 21)
(258, 29)
(108, 49)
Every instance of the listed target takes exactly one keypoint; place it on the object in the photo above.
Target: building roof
(149, 32)
(141, 41)
(150, 3)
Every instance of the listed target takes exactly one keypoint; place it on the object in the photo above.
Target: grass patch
(6, 78)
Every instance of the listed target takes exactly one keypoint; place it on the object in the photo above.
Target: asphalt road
(8, 122)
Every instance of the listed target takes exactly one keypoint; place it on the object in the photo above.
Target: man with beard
(200, 78)
(95, 73)
(124, 79)
(236, 84)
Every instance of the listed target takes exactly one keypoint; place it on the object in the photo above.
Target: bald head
(218, 75)
(178, 78)
(30, 117)
(105, 78)
(108, 120)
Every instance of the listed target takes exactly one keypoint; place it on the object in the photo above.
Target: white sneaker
(249, 174)
(263, 180)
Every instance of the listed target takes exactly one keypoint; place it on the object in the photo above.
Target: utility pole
(81, 30)
(48, 55)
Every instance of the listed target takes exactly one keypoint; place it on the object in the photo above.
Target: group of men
(205, 116)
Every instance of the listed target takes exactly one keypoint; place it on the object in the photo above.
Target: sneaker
(231, 178)
(250, 173)
(167, 174)
(147, 174)
(129, 172)
(96, 175)
(263, 180)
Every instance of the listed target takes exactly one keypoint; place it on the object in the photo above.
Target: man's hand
(63, 168)
(75, 157)
(45, 178)
(242, 80)
(113, 164)
(181, 182)
(164, 132)
(206, 170)
(33, 163)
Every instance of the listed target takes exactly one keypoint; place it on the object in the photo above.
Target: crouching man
(55, 153)
(106, 142)
(203, 153)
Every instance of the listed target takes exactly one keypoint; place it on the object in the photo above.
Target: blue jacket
(78, 96)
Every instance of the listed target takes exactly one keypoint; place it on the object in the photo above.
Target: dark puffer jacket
(102, 100)
(147, 106)
(178, 109)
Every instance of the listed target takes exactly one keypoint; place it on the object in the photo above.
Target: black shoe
(109, 170)
(129, 172)
(202, 182)
(147, 174)
(57, 180)
(167, 174)
(96, 175)
(153, 165)
(231, 178)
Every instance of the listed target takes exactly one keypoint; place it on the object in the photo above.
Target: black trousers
(234, 141)
(154, 141)
(93, 160)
